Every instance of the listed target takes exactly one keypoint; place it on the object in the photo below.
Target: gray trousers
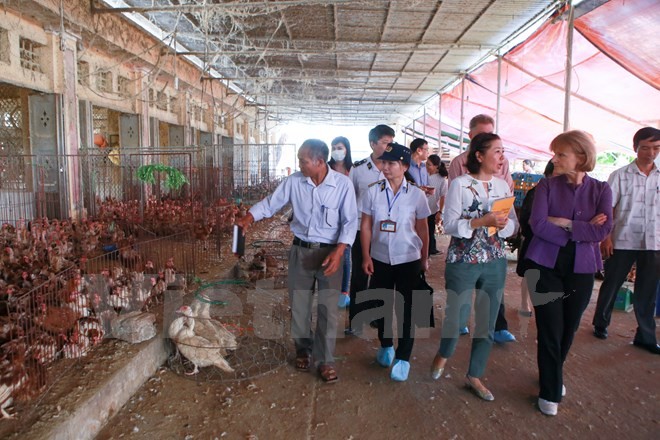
(646, 281)
(461, 279)
(304, 270)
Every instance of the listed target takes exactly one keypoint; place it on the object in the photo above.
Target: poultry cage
(231, 331)
(246, 172)
(59, 293)
(267, 260)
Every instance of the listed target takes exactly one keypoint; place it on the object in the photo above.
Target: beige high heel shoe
(436, 372)
(480, 390)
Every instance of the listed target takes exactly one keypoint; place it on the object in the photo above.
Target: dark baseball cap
(395, 152)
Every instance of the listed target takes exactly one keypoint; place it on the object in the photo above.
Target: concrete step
(64, 415)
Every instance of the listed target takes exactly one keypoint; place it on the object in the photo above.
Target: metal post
(569, 67)
(440, 124)
(413, 127)
(424, 126)
(460, 134)
(499, 91)
(70, 126)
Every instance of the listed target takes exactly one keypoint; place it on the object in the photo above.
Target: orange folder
(500, 206)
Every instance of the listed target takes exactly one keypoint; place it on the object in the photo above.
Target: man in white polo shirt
(364, 173)
(635, 238)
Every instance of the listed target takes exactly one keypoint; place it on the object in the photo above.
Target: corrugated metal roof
(367, 60)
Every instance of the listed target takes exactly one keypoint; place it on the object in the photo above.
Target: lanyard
(390, 205)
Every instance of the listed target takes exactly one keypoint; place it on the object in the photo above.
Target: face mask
(338, 155)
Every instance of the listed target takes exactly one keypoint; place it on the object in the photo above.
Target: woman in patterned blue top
(475, 258)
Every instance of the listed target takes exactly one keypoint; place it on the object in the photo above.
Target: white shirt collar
(330, 178)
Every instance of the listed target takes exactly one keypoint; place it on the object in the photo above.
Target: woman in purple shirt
(572, 213)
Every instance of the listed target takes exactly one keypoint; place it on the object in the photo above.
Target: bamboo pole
(462, 112)
(499, 92)
(569, 67)
(440, 124)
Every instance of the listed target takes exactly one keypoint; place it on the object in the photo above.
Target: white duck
(210, 328)
(197, 349)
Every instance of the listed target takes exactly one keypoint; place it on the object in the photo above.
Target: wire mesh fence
(64, 281)
(248, 327)
(30, 187)
(52, 316)
(62, 186)
(245, 173)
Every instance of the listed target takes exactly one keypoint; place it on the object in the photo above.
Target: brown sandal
(303, 361)
(328, 373)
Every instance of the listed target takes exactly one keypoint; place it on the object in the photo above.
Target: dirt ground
(613, 391)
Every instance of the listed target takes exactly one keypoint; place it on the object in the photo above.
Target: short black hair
(418, 143)
(644, 134)
(480, 144)
(379, 131)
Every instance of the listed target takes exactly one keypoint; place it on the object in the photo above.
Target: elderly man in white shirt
(324, 223)
(635, 238)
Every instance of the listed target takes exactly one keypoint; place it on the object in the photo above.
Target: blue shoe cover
(385, 356)
(400, 371)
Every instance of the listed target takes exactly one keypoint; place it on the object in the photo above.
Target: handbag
(425, 301)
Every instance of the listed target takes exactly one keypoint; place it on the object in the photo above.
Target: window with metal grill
(29, 55)
(83, 73)
(197, 113)
(4, 45)
(220, 120)
(104, 81)
(124, 86)
(161, 101)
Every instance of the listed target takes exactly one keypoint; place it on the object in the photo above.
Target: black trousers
(646, 281)
(431, 222)
(359, 283)
(397, 282)
(560, 297)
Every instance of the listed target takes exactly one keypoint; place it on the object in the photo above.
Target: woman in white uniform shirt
(438, 181)
(475, 257)
(394, 227)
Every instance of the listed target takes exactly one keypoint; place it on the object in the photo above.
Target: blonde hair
(582, 144)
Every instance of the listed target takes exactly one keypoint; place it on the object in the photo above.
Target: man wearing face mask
(364, 173)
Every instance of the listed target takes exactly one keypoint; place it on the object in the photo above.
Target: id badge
(387, 226)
